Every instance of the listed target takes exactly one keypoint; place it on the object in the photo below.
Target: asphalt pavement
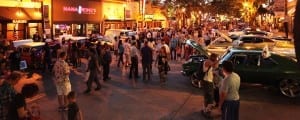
(178, 100)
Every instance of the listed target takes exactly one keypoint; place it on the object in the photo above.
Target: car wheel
(290, 87)
(195, 82)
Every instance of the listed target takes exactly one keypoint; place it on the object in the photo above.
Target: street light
(124, 6)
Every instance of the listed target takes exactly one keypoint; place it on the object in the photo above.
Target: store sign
(19, 21)
(79, 10)
(149, 16)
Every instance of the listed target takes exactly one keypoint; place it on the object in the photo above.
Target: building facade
(20, 20)
(76, 17)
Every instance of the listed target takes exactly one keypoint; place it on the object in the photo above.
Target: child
(73, 110)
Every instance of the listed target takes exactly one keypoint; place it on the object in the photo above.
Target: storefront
(20, 23)
(118, 15)
(153, 18)
(76, 18)
(152, 21)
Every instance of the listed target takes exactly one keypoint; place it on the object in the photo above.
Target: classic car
(236, 33)
(253, 67)
(254, 41)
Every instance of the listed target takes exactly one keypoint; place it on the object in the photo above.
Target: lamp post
(125, 26)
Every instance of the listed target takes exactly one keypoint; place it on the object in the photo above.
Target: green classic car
(275, 69)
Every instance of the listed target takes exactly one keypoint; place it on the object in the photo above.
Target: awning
(14, 13)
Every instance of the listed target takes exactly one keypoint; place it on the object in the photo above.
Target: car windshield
(224, 54)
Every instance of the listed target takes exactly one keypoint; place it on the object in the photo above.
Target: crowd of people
(157, 47)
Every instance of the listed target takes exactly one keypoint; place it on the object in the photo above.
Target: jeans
(146, 71)
(173, 53)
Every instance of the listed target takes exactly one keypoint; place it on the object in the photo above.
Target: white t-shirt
(231, 86)
(133, 51)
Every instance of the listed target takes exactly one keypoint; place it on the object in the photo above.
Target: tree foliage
(228, 7)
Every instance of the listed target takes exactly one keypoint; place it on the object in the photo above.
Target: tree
(175, 6)
(224, 7)
(296, 32)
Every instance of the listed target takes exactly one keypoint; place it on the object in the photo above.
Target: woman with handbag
(163, 66)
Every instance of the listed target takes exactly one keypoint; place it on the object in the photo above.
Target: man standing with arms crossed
(229, 93)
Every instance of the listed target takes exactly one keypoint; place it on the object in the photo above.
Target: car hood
(198, 47)
(224, 36)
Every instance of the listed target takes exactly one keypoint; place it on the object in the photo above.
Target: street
(178, 100)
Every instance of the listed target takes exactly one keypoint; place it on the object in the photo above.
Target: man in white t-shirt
(127, 52)
(134, 61)
(229, 93)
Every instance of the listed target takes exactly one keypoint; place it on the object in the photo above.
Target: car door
(268, 70)
(251, 67)
(247, 66)
(238, 60)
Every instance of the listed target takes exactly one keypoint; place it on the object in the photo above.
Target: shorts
(63, 89)
(208, 89)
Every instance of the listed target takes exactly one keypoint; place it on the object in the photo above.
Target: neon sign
(79, 10)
